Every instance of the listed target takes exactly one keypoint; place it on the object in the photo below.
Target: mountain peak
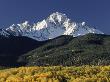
(57, 17)
(55, 25)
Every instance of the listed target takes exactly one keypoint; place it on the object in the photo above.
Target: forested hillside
(90, 49)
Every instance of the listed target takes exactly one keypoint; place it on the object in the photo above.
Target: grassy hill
(90, 49)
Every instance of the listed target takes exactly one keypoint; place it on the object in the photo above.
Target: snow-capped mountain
(55, 25)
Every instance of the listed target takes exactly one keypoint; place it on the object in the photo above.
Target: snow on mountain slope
(55, 25)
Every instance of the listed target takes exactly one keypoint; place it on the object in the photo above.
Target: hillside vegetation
(56, 74)
(90, 49)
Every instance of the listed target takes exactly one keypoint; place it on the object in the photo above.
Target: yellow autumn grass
(56, 74)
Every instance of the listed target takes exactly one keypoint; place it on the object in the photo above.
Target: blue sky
(95, 12)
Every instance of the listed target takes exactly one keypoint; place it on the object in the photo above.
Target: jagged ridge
(55, 25)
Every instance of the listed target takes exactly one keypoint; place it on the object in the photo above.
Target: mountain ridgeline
(55, 25)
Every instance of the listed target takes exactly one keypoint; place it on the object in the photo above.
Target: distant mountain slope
(55, 25)
(12, 47)
(90, 49)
